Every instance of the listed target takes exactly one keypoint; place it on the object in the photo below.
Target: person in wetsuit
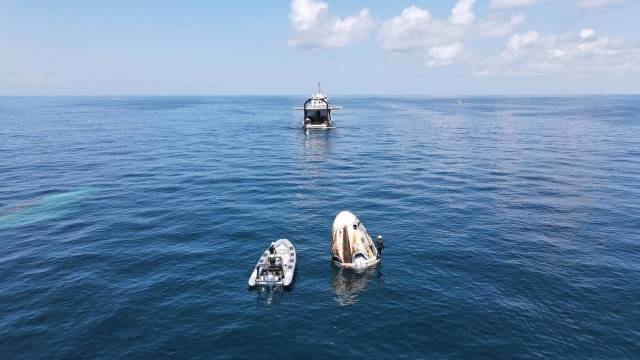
(379, 245)
(272, 253)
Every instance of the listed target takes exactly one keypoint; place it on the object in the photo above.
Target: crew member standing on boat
(379, 245)
(272, 254)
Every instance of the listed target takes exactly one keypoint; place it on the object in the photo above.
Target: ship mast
(319, 92)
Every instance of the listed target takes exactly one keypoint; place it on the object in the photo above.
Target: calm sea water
(129, 227)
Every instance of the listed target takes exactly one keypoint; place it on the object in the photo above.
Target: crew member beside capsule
(379, 245)
(351, 244)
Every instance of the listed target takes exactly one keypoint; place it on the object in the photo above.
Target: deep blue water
(129, 227)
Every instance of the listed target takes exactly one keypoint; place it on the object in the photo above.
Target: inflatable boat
(276, 266)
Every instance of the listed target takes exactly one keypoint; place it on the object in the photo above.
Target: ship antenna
(319, 91)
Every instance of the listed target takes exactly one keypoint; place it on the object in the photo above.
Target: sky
(356, 47)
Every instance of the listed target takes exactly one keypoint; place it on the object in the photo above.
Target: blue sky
(463, 47)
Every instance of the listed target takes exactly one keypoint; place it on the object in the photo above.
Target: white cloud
(441, 41)
(579, 55)
(586, 33)
(597, 3)
(462, 13)
(415, 29)
(518, 41)
(497, 25)
(444, 55)
(343, 31)
(503, 4)
(315, 29)
(306, 13)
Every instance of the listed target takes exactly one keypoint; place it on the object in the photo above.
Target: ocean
(129, 227)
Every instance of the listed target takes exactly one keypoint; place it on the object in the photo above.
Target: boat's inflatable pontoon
(351, 245)
(276, 266)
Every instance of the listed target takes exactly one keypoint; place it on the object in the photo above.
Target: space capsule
(351, 244)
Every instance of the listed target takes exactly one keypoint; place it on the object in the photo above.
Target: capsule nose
(344, 218)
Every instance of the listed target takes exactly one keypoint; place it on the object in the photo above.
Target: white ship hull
(317, 126)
